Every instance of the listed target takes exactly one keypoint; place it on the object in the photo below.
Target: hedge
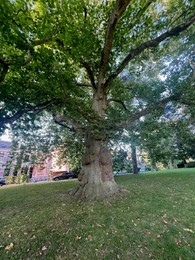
(23, 178)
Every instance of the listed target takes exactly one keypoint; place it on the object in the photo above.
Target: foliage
(7, 168)
(167, 139)
(44, 45)
(9, 179)
(48, 138)
(22, 178)
(190, 165)
(120, 161)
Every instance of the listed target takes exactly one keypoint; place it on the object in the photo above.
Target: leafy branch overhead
(30, 109)
(50, 37)
(150, 44)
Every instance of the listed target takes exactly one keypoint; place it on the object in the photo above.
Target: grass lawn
(155, 219)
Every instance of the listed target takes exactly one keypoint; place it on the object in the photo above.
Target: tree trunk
(96, 178)
(171, 164)
(152, 161)
(134, 158)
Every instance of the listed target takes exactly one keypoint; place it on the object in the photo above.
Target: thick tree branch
(11, 119)
(118, 101)
(85, 8)
(80, 84)
(44, 104)
(178, 17)
(42, 41)
(118, 11)
(90, 73)
(60, 122)
(4, 70)
(63, 120)
(21, 112)
(150, 44)
(149, 109)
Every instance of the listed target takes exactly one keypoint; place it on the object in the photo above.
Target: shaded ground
(153, 220)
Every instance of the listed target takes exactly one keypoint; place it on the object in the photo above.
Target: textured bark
(134, 159)
(115, 16)
(96, 178)
(99, 102)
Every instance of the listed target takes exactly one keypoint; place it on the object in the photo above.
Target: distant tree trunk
(152, 161)
(96, 178)
(153, 165)
(184, 161)
(171, 164)
(134, 158)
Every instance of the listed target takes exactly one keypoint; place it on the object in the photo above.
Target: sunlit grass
(154, 219)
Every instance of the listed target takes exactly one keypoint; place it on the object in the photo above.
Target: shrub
(16, 179)
(190, 165)
(9, 179)
(23, 178)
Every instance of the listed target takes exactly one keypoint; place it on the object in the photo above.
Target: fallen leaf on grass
(9, 247)
(165, 222)
(77, 238)
(89, 238)
(178, 242)
(74, 254)
(44, 248)
(98, 225)
(188, 230)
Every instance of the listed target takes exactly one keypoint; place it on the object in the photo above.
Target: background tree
(120, 162)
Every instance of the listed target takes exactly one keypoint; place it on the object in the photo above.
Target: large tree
(67, 57)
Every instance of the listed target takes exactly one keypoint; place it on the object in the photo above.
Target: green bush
(16, 179)
(190, 165)
(23, 178)
(9, 179)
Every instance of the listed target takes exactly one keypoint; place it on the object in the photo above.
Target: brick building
(42, 172)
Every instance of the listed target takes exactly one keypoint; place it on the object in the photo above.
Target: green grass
(155, 219)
